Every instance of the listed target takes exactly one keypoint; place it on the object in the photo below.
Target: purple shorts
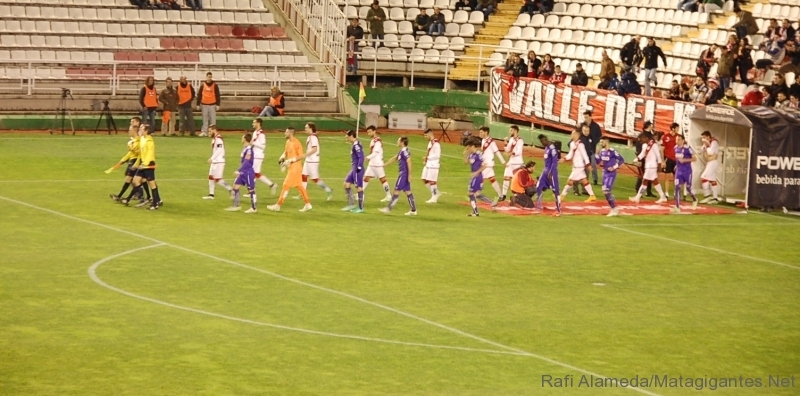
(402, 184)
(547, 181)
(246, 179)
(476, 184)
(355, 178)
(608, 180)
(683, 178)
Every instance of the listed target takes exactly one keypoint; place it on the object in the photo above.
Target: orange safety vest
(275, 102)
(184, 94)
(209, 96)
(150, 97)
(516, 184)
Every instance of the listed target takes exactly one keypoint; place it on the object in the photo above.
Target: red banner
(561, 106)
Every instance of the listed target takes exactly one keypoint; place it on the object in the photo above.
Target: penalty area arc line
(343, 294)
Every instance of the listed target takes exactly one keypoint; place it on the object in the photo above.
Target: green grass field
(101, 299)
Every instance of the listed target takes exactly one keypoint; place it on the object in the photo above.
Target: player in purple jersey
(684, 156)
(245, 176)
(472, 156)
(356, 175)
(610, 160)
(403, 159)
(549, 177)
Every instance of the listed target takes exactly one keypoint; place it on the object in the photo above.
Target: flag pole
(358, 117)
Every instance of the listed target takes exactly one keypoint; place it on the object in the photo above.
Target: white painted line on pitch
(701, 246)
(336, 292)
(699, 224)
(93, 275)
(90, 180)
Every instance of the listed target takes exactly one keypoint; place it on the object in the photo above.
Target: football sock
(589, 189)
(304, 194)
(611, 201)
(506, 184)
(558, 202)
(393, 202)
(211, 186)
(361, 199)
(706, 188)
(236, 195)
(715, 189)
(496, 188)
(566, 189)
(146, 188)
(349, 193)
(484, 198)
(252, 198)
(366, 183)
(124, 188)
(677, 196)
(386, 187)
(156, 197)
(434, 190)
(265, 180)
(690, 192)
(322, 185)
(660, 191)
(134, 190)
(223, 184)
(411, 202)
(473, 203)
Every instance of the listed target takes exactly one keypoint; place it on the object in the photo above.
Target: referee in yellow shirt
(146, 167)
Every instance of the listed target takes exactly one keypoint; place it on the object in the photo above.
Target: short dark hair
(541, 136)
(147, 129)
(674, 125)
(605, 138)
(404, 140)
(473, 142)
(137, 119)
(259, 121)
(373, 128)
(587, 113)
(248, 137)
(706, 133)
(350, 133)
(209, 74)
(680, 136)
(514, 127)
(647, 124)
(428, 131)
(312, 126)
(290, 129)
(484, 128)
(530, 164)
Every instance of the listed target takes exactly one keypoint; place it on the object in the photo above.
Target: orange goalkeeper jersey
(294, 149)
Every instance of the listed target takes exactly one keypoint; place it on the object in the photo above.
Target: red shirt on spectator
(753, 98)
(558, 78)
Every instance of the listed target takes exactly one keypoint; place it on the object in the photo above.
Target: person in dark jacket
(778, 86)
(674, 92)
(793, 54)
(715, 92)
(628, 53)
(595, 134)
(547, 68)
(650, 54)
(421, 22)
(436, 23)
(534, 63)
(471, 4)
(355, 33)
(795, 88)
(579, 77)
(376, 17)
(747, 25)
(725, 64)
(743, 60)
(629, 85)
(530, 7)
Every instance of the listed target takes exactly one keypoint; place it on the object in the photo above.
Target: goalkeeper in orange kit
(291, 161)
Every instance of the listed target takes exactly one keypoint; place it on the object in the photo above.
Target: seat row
(443, 4)
(645, 29)
(424, 42)
(570, 37)
(252, 60)
(400, 14)
(777, 11)
(139, 29)
(207, 4)
(77, 57)
(104, 74)
(665, 4)
(416, 55)
(567, 65)
(688, 18)
(97, 42)
(450, 29)
(133, 15)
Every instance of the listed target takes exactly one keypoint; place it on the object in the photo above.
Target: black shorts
(148, 174)
(130, 170)
(670, 168)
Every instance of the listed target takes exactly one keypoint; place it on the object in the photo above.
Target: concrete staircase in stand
(492, 32)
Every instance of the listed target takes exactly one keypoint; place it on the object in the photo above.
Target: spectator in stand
(781, 101)
(778, 86)
(650, 54)
(699, 91)
(793, 54)
(629, 53)
(534, 64)
(547, 69)
(614, 83)
(185, 97)
(747, 25)
(276, 104)
(753, 97)
(471, 4)
(629, 85)
(436, 27)
(730, 98)
(208, 100)
(516, 68)
(547, 6)
(742, 60)
(376, 17)
(724, 67)
(786, 33)
(794, 101)
(595, 134)
(558, 77)
(771, 35)
(687, 5)
(421, 22)
(674, 92)
(168, 5)
(714, 93)
(709, 5)
(530, 7)
(795, 88)
(686, 92)
(579, 77)
(732, 43)
(706, 60)
(607, 71)
(169, 99)
(355, 33)
(487, 7)
(148, 101)
(195, 5)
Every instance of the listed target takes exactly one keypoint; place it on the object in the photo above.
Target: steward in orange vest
(148, 96)
(209, 93)
(276, 104)
(523, 186)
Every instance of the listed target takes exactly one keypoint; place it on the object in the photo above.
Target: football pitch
(101, 299)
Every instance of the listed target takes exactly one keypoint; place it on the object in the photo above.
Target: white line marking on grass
(699, 224)
(701, 246)
(93, 274)
(90, 180)
(336, 292)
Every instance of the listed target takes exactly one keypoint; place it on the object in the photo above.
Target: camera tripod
(106, 112)
(63, 112)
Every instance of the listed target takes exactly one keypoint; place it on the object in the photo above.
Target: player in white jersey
(375, 158)
(489, 150)
(259, 144)
(430, 173)
(709, 176)
(514, 147)
(217, 161)
(311, 164)
(580, 161)
(651, 156)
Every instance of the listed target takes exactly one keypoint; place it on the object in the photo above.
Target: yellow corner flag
(361, 93)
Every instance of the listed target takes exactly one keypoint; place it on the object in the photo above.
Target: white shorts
(430, 174)
(577, 174)
(650, 174)
(488, 172)
(217, 171)
(257, 164)
(710, 172)
(311, 169)
(375, 171)
(510, 168)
